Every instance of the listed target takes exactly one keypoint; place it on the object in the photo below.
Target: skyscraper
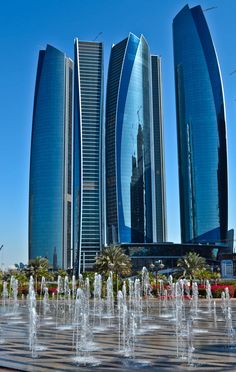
(202, 153)
(50, 161)
(88, 118)
(129, 209)
(159, 194)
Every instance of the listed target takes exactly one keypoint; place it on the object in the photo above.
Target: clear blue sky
(28, 25)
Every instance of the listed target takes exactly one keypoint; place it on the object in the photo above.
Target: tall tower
(50, 160)
(128, 148)
(87, 184)
(159, 194)
(202, 153)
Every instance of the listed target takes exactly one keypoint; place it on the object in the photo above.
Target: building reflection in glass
(128, 148)
(136, 191)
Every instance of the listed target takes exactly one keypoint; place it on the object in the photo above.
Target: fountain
(33, 320)
(138, 302)
(184, 322)
(4, 295)
(82, 338)
(97, 308)
(190, 348)
(187, 287)
(46, 305)
(161, 287)
(81, 281)
(120, 302)
(127, 326)
(42, 286)
(124, 292)
(146, 288)
(73, 286)
(59, 286)
(214, 314)
(194, 302)
(131, 293)
(138, 325)
(228, 318)
(13, 288)
(66, 287)
(110, 297)
(208, 295)
(179, 319)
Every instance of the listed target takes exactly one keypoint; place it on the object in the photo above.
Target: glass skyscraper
(129, 142)
(87, 180)
(50, 162)
(202, 153)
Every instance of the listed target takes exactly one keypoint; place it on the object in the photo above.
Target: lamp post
(158, 265)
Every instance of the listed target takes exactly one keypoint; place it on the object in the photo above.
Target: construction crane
(211, 8)
(99, 34)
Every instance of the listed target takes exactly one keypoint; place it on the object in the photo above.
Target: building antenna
(211, 8)
(98, 35)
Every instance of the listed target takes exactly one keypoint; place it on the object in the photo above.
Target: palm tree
(191, 263)
(113, 258)
(38, 267)
(39, 262)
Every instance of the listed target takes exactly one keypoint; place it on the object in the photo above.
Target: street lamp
(158, 265)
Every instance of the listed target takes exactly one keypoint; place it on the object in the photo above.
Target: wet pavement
(154, 348)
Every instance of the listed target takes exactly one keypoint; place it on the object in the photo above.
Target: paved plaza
(155, 345)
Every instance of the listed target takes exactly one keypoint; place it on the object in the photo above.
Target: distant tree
(113, 258)
(190, 263)
(21, 277)
(205, 274)
(38, 267)
(39, 262)
(62, 273)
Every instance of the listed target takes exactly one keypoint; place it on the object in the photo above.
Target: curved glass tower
(128, 148)
(50, 162)
(202, 153)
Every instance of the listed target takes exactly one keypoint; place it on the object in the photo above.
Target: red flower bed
(52, 290)
(217, 289)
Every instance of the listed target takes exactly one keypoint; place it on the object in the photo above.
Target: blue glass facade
(88, 111)
(202, 154)
(128, 149)
(50, 162)
(159, 194)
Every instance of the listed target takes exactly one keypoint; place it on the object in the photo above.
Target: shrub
(23, 289)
